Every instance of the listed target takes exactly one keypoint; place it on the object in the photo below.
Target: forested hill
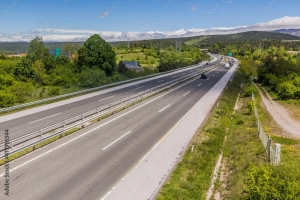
(241, 37)
(20, 47)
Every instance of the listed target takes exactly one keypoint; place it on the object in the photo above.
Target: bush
(248, 91)
(273, 182)
(250, 107)
(6, 99)
(287, 90)
(54, 91)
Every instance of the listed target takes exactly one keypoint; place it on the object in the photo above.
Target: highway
(29, 123)
(86, 164)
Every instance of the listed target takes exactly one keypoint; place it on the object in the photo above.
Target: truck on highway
(227, 65)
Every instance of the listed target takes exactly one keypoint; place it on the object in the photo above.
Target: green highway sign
(230, 54)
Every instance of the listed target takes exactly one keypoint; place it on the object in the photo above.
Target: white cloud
(51, 34)
(194, 8)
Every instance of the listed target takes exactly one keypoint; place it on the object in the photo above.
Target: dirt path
(281, 115)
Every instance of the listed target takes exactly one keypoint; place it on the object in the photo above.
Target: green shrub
(248, 91)
(7, 99)
(250, 107)
(54, 91)
(273, 182)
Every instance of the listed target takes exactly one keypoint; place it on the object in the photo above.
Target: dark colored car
(204, 76)
(207, 63)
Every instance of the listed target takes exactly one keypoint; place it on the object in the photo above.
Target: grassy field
(196, 41)
(145, 61)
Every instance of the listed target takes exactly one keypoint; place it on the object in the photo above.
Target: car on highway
(204, 76)
(207, 63)
(227, 65)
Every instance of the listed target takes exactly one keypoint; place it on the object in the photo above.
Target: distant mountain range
(295, 32)
(250, 36)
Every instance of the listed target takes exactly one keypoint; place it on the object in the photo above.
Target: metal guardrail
(73, 122)
(88, 90)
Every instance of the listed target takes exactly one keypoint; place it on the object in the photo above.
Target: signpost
(230, 54)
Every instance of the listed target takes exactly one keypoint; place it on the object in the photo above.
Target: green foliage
(6, 81)
(54, 91)
(287, 90)
(273, 182)
(248, 91)
(92, 77)
(24, 70)
(122, 68)
(250, 106)
(37, 50)
(248, 67)
(6, 99)
(97, 52)
(21, 90)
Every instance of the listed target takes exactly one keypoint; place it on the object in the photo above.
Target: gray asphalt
(87, 167)
(23, 125)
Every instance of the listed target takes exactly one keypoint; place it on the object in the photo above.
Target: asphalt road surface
(26, 124)
(86, 164)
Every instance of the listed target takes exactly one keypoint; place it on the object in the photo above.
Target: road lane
(82, 170)
(21, 126)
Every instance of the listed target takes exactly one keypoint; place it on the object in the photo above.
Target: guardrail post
(11, 145)
(269, 148)
(277, 153)
(64, 125)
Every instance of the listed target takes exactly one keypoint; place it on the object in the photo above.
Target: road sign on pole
(230, 54)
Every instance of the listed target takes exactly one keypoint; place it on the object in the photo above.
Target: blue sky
(23, 16)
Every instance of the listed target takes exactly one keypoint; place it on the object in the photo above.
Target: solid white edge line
(116, 140)
(164, 108)
(187, 93)
(44, 118)
(106, 98)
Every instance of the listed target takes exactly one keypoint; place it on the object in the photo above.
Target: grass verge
(192, 176)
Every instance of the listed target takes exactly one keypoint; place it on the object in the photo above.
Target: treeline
(40, 75)
(189, 55)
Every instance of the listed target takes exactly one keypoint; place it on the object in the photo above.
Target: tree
(37, 50)
(122, 68)
(24, 69)
(92, 77)
(96, 52)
